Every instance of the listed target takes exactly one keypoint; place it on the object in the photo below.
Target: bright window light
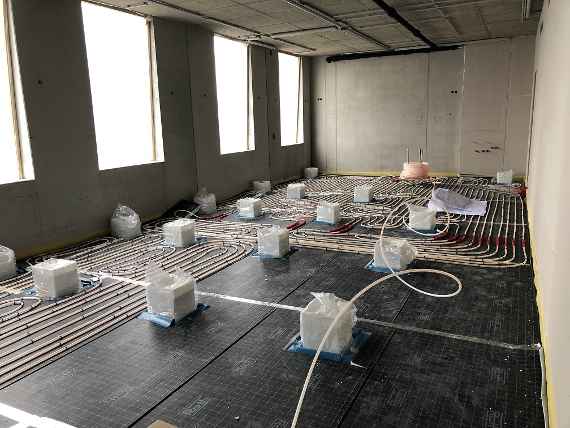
(15, 154)
(123, 89)
(233, 87)
(290, 99)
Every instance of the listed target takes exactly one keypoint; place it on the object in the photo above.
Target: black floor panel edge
(228, 367)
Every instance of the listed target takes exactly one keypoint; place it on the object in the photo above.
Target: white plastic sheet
(125, 223)
(170, 295)
(399, 253)
(454, 203)
(317, 317)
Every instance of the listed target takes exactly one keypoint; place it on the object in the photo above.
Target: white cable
(364, 291)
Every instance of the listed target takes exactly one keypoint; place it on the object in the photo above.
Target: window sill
(19, 182)
(237, 153)
(137, 165)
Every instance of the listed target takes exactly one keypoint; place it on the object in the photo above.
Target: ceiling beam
(257, 35)
(393, 13)
(379, 54)
(340, 25)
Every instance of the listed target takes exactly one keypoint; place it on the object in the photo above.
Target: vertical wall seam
(427, 113)
(194, 141)
(508, 103)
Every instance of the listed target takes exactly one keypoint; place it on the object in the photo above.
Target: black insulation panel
(228, 366)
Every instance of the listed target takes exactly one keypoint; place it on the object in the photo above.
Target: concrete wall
(70, 199)
(549, 199)
(366, 112)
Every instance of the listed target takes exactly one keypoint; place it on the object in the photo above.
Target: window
(290, 99)
(123, 88)
(233, 88)
(15, 154)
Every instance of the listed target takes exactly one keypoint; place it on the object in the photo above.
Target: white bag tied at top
(125, 223)
(179, 233)
(170, 295)
(249, 207)
(399, 253)
(7, 263)
(317, 317)
(56, 278)
(206, 201)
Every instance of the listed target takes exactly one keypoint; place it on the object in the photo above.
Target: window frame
(9, 43)
(157, 145)
(299, 136)
(250, 120)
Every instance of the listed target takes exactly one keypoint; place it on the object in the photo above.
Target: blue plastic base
(370, 266)
(434, 230)
(86, 282)
(327, 223)
(359, 339)
(199, 241)
(163, 321)
(255, 253)
(237, 217)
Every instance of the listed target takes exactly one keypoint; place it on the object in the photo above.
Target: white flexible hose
(364, 291)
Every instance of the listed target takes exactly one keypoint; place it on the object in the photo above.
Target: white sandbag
(125, 223)
(317, 317)
(296, 191)
(399, 253)
(328, 212)
(505, 177)
(311, 172)
(421, 218)
(262, 186)
(363, 194)
(206, 201)
(171, 296)
(56, 278)
(249, 207)
(7, 263)
(180, 233)
(273, 242)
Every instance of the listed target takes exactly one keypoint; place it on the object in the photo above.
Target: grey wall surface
(548, 199)
(367, 112)
(70, 199)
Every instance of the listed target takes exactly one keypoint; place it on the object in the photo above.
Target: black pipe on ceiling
(393, 13)
(378, 54)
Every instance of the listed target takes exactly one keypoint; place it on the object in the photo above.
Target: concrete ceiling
(325, 27)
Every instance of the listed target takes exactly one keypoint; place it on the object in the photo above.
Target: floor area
(467, 361)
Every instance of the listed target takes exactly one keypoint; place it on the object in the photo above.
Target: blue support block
(359, 339)
(164, 321)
